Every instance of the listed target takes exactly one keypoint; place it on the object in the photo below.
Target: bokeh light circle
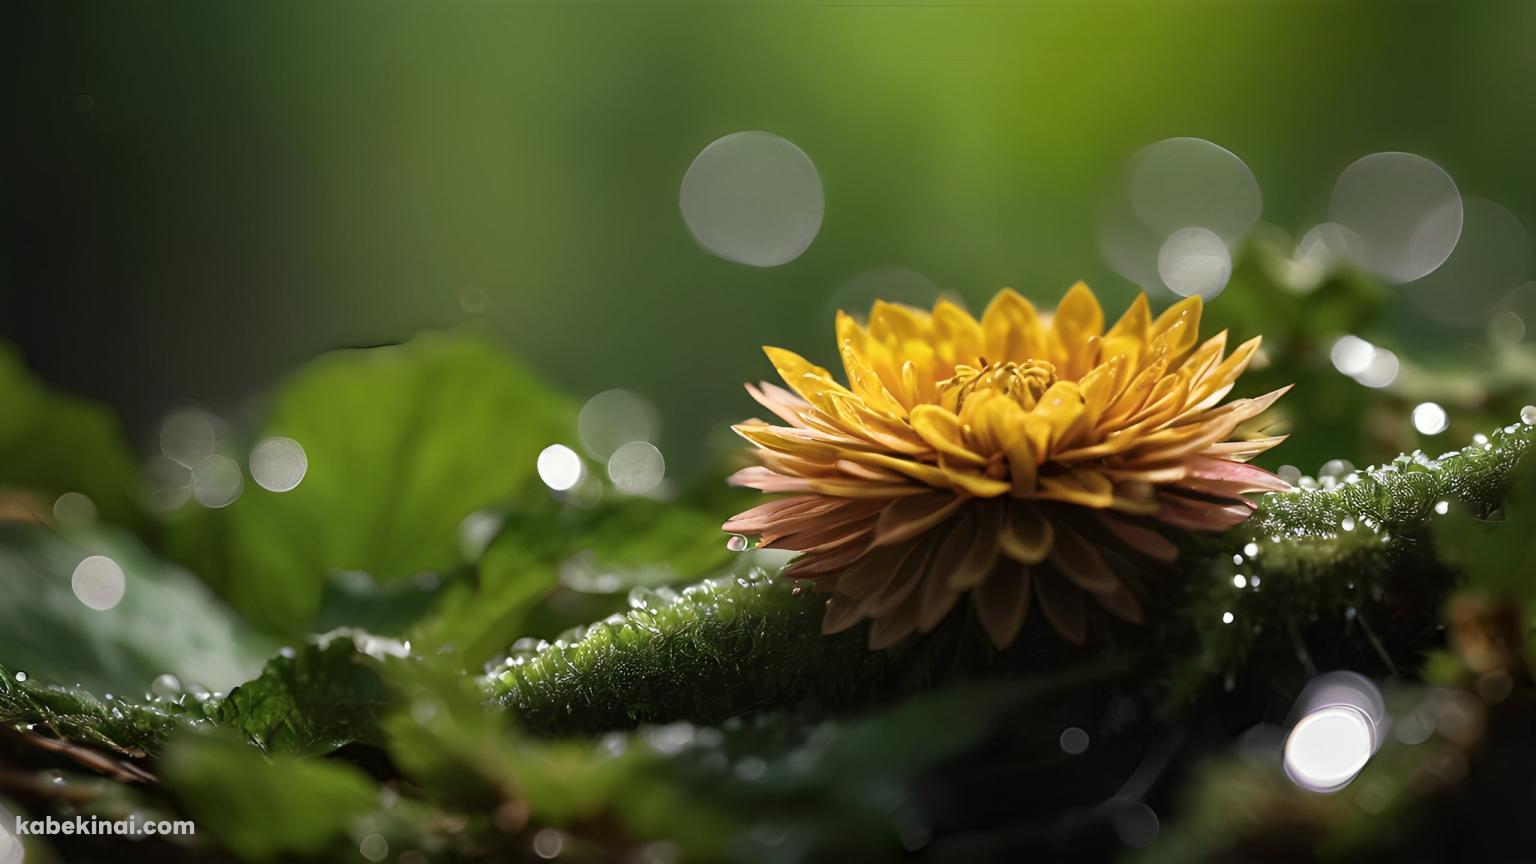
(614, 418)
(753, 198)
(217, 481)
(1328, 747)
(559, 467)
(99, 582)
(278, 464)
(637, 467)
(1493, 257)
(1191, 182)
(1405, 209)
(1194, 261)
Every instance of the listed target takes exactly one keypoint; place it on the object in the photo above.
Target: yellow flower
(1016, 456)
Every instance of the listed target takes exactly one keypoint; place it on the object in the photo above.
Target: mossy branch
(730, 645)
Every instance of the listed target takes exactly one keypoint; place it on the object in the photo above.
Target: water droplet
(1251, 549)
(1347, 523)
(1227, 618)
(1528, 415)
(21, 677)
(1442, 507)
(737, 543)
(1240, 581)
(165, 686)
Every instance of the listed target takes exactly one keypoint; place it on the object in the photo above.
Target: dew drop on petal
(753, 198)
(737, 543)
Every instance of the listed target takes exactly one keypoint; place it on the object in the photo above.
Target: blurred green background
(209, 194)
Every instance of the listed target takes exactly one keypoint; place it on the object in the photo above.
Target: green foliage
(52, 443)
(329, 693)
(263, 809)
(166, 623)
(71, 713)
(607, 549)
(403, 443)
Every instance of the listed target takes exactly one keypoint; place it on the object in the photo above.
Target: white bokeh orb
(559, 467)
(1328, 747)
(1194, 262)
(278, 464)
(637, 467)
(99, 582)
(614, 418)
(753, 198)
(217, 481)
(1405, 209)
(1186, 182)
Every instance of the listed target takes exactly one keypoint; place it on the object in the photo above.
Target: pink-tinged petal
(1122, 604)
(811, 566)
(1200, 516)
(1254, 478)
(764, 480)
(784, 404)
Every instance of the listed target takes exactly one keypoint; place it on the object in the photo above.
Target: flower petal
(1002, 601)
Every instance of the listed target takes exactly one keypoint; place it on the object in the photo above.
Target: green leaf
(264, 810)
(403, 442)
(327, 694)
(604, 550)
(51, 443)
(167, 622)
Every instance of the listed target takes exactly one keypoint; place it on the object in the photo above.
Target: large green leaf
(52, 443)
(402, 442)
(265, 810)
(166, 622)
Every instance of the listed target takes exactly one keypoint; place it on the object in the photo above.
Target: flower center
(1024, 382)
